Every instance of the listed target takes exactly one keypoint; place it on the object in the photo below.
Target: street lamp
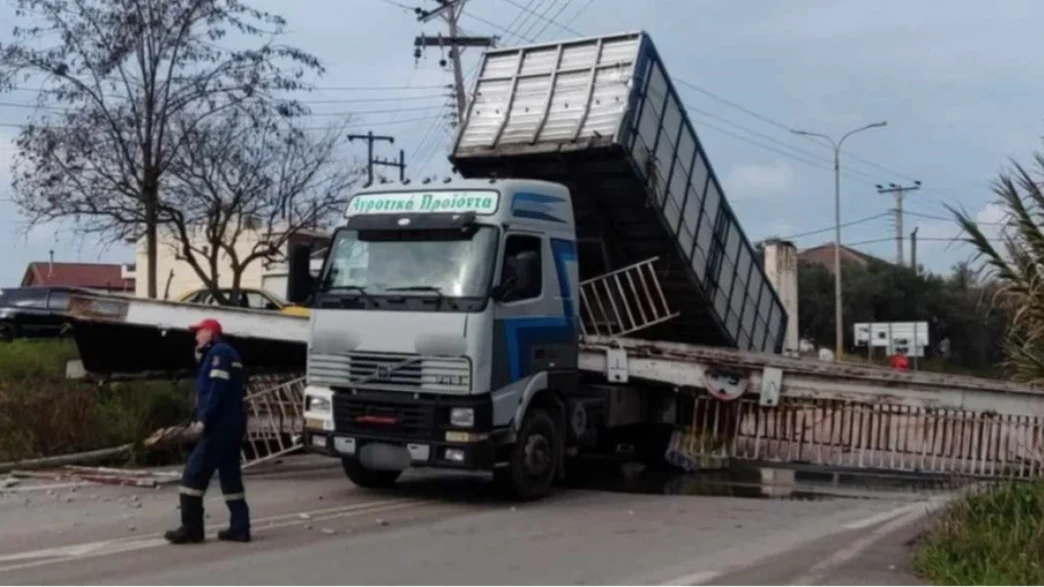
(839, 334)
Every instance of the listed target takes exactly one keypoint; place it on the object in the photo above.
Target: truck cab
(444, 333)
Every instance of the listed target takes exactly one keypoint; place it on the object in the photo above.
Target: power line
(305, 89)
(399, 5)
(544, 18)
(829, 228)
(934, 217)
(374, 123)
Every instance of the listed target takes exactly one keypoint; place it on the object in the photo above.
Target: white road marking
(821, 569)
(776, 548)
(699, 578)
(60, 551)
(882, 517)
(116, 546)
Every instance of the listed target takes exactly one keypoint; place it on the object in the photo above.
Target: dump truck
(583, 287)
(449, 320)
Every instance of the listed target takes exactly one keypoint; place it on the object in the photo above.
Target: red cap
(207, 324)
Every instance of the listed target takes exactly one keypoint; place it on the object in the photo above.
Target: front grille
(391, 371)
(355, 416)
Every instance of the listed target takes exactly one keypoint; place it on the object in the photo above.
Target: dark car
(34, 312)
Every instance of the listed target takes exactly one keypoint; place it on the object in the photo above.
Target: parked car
(255, 299)
(34, 312)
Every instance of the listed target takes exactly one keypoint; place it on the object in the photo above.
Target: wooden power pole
(401, 164)
(370, 138)
(450, 11)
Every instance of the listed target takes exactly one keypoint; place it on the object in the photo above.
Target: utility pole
(839, 332)
(899, 191)
(401, 164)
(450, 11)
(913, 262)
(913, 251)
(370, 138)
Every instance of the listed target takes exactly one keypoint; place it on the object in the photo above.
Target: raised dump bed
(601, 116)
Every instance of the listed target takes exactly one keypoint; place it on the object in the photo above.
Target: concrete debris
(308, 526)
(304, 516)
(381, 522)
(103, 475)
(8, 482)
(329, 531)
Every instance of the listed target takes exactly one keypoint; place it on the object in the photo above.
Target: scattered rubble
(329, 531)
(100, 475)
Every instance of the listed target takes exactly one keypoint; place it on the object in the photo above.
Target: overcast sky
(959, 85)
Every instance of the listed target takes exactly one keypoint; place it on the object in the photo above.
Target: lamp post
(839, 334)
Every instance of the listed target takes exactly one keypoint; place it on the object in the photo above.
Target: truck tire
(8, 332)
(368, 478)
(533, 460)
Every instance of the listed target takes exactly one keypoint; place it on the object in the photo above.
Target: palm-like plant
(1016, 262)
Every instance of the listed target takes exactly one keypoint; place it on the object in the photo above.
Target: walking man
(219, 409)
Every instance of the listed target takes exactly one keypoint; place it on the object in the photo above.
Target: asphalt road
(313, 527)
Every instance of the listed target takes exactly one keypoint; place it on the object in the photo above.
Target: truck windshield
(452, 263)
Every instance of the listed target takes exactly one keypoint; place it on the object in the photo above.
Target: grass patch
(991, 537)
(43, 414)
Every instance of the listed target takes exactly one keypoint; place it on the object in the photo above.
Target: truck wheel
(368, 478)
(7, 332)
(533, 460)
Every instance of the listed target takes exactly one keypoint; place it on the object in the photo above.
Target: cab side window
(516, 247)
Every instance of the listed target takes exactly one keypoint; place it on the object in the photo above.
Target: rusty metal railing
(840, 434)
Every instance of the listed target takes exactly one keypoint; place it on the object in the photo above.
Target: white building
(176, 277)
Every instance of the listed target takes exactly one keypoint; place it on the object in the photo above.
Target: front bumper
(419, 423)
(446, 455)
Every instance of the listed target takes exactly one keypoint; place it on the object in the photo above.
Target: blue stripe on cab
(525, 332)
(535, 206)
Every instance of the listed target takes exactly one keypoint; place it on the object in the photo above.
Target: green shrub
(35, 360)
(991, 537)
(43, 414)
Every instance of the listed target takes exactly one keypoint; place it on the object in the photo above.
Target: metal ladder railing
(623, 301)
(275, 418)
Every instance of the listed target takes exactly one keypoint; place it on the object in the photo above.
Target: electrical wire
(829, 228)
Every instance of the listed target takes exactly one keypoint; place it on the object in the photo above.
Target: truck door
(532, 332)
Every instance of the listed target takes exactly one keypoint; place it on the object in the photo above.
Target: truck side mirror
(300, 283)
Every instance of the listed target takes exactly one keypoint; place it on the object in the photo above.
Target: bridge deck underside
(841, 416)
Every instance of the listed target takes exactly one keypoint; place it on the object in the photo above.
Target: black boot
(183, 536)
(191, 530)
(230, 535)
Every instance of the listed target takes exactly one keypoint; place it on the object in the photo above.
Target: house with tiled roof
(113, 277)
(824, 255)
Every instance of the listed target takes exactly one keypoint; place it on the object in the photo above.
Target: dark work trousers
(215, 452)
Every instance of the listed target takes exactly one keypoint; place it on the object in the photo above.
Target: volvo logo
(382, 372)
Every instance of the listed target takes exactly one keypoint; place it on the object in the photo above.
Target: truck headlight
(314, 403)
(462, 417)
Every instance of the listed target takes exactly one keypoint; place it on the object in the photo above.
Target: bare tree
(245, 188)
(113, 76)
